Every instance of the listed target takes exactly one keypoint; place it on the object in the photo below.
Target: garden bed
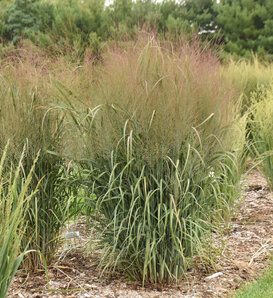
(248, 242)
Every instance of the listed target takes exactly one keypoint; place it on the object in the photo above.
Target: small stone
(214, 275)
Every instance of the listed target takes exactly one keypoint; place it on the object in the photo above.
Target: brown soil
(248, 244)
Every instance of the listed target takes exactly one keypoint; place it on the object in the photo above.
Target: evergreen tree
(247, 25)
(201, 14)
(24, 17)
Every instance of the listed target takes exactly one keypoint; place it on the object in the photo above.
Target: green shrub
(76, 26)
(158, 142)
(261, 128)
(27, 17)
(13, 209)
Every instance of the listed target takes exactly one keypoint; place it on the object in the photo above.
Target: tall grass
(27, 118)
(157, 134)
(246, 77)
(13, 209)
(261, 128)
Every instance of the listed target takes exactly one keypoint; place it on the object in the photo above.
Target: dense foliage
(155, 132)
(27, 120)
(125, 115)
(262, 128)
(14, 205)
(64, 26)
(247, 26)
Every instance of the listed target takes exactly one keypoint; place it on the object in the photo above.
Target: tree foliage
(24, 17)
(245, 25)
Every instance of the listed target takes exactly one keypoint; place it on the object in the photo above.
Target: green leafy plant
(14, 205)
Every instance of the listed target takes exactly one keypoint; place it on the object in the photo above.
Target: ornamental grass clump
(247, 77)
(28, 120)
(14, 206)
(261, 129)
(161, 149)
